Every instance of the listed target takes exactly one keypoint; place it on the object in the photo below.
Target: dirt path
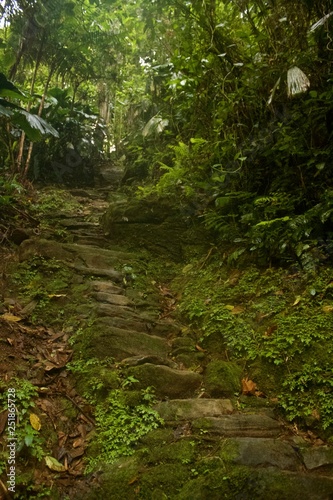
(209, 447)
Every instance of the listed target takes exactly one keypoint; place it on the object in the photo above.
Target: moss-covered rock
(166, 381)
(222, 378)
(160, 225)
(107, 341)
(182, 452)
(189, 409)
(263, 452)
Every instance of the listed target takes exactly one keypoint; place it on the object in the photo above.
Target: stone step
(112, 298)
(119, 344)
(72, 252)
(128, 319)
(141, 360)
(191, 409)
(90, 239)
(106, 287)
(110, 273)
(262, 452)
(255, 425)
(77, 224)
(167, 382)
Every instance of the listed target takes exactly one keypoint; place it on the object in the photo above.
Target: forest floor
(86, 328)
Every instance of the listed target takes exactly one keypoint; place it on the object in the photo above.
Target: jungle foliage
(226, 104)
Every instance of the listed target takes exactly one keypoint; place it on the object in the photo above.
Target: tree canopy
(225, 104)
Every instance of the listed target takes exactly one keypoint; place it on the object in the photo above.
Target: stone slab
(262, 452)
(239, 425)
(190, 409)
(168, 383)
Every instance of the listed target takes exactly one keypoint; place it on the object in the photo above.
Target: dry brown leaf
(248, 386)
(3, 421)
(270, 330)
(134, 480)
(315, 414)
(78, 452)
(198, 348)
(78, 442)
(62, 438)
(82, 430)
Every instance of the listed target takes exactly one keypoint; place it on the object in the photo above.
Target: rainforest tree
(227, 104)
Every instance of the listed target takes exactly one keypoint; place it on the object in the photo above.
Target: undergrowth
(279, 320)
(122, 416)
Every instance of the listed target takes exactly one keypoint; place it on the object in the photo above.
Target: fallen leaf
(315, 414)
(229, 307)
(78, 442)
(62, 438)
(3, 421)
(56, 295)
(82, 430)
(35, 422)
(187, 268)
(327, 309)
(29, 308)
(11, 318)
(50, 366)
(54, 465)
(248, 386)
(237, 310)
(78, 452)
(134, 480)
(297, 300)
(198, 348)
(270, 330)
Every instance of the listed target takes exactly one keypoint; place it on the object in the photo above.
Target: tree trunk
(22, 139)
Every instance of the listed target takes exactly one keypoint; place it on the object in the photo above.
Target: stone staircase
(241, 453)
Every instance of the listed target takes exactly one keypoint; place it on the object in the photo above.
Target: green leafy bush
(119, 426)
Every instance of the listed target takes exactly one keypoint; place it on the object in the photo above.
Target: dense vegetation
(225, 104)
(224, 108)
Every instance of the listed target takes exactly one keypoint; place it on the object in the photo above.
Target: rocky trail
(211, 445)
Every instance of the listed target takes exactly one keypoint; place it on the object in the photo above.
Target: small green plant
(309, 393)
(26, 436)
(119, 426)
(56, 200)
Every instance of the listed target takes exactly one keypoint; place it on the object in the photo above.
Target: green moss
(157, 438)
(220, 484)
(228, 450)
(118, 482)
(169, 478)
(182, 452)
(222, 378)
